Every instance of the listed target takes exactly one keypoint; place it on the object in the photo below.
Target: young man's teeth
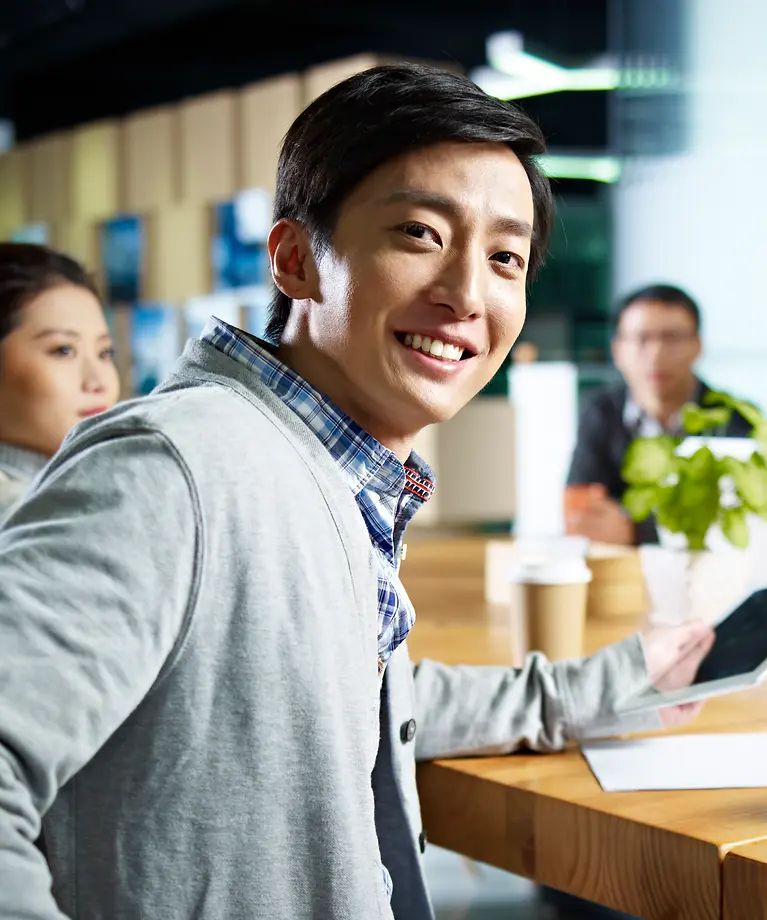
(433, 347)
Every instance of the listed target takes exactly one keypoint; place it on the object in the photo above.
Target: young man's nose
(461, 286)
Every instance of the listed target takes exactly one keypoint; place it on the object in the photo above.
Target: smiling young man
(201, 620)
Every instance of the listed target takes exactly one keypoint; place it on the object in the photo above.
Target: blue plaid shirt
(388, 493)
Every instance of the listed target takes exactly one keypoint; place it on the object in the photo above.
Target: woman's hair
(27, 270)
(376, 116)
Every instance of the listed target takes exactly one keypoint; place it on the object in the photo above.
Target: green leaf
(702, 465)
(695, 420)
(751, 483)
(751, 413)
(734, 525)
(649, 461)
(691, 506)
(641, 501)
(759, 434)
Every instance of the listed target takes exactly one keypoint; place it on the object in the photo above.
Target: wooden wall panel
(266, 111)
(13, 191)
(78, 239)
(151, 160)
(50, 178)
(177, 253)
(209, 148)
(95, 171)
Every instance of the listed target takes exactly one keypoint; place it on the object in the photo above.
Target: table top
(654, 854)
(745, 883)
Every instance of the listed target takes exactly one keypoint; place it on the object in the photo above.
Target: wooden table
(744, 880)
(656, 855)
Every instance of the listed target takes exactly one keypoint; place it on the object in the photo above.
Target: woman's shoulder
(12, 490)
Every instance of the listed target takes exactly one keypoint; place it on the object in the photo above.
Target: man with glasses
(655, 346)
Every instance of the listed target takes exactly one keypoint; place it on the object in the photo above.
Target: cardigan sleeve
(96, 566)
(495, 710)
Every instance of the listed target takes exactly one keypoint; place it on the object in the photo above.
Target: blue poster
(122, 251)
(239, 253)
(156, 343)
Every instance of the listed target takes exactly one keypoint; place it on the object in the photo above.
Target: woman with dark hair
(56, 359)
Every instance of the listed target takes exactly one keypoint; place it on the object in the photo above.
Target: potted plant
(702, 504)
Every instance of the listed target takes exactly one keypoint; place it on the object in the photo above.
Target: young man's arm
(593, 463)
(496, 710)
(97, 569)
(590, 463)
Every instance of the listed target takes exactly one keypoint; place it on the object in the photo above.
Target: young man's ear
(292, 260)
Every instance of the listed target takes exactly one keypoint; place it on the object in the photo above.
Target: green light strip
(594, 168)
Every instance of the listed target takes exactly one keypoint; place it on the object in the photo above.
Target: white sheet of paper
(726, 761)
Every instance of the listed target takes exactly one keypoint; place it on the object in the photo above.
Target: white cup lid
(566, 570)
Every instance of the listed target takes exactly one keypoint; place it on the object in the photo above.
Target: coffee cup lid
(570, 570)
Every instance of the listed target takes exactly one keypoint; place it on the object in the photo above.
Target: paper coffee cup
(548, 603)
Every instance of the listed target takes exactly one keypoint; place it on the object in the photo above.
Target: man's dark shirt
(603, 438)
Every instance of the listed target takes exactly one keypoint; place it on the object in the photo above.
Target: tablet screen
(741, 641)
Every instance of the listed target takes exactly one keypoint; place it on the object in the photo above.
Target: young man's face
(655, 348)
(431, 247)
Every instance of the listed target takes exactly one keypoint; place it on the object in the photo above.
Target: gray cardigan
(189, 681)
(188, 668)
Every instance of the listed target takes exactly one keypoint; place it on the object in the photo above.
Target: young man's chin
(436, 414)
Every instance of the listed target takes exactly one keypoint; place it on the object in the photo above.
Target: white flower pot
(683, 585)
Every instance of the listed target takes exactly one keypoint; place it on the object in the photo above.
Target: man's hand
(673, 654)
(603, 520)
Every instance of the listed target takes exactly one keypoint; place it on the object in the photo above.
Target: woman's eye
(108, 354)
(63, 351)
(419, 231)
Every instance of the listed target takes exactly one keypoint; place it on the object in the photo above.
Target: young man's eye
(507, 258)
(418, 231)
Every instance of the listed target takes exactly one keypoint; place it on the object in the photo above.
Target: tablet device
(737, 660)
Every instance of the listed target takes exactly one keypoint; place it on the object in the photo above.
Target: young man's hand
(603, 520)
(673, 654)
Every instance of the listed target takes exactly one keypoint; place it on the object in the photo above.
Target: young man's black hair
(377, 116)
(658, 293)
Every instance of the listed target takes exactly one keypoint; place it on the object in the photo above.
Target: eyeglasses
(669, 339)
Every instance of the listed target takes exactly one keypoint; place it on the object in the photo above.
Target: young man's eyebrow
(444, 204)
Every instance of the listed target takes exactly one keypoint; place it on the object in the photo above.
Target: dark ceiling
(64, 62)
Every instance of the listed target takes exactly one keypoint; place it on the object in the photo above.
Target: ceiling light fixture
(572, 166)
(514, 73)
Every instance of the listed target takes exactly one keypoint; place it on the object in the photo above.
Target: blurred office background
(141, 136)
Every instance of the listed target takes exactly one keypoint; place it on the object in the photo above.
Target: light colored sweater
(18, 467)
(191, 658)
(188, 667)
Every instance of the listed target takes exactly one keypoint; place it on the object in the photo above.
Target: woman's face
(56, 368)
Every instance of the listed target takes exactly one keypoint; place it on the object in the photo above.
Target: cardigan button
(422, 842)
(407, 731)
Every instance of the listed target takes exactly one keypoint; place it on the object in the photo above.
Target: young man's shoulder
(606, 402)
(208, 427)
